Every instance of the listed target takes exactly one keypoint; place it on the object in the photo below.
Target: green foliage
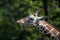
(12, 10)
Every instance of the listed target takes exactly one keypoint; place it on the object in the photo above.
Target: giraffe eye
(31, 18)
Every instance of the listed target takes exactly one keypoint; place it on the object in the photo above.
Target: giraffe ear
(36, 13)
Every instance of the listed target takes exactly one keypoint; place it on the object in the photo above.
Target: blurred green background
(12, 10)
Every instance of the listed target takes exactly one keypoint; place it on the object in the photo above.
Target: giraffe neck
(47, 28)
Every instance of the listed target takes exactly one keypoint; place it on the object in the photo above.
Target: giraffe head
(29, 20)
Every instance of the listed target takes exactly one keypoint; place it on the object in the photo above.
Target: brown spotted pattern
(53, 31)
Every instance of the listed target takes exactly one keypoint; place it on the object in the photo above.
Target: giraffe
(42, 25)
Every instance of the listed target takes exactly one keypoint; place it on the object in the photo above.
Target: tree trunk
(45, 3)
(58, 2)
